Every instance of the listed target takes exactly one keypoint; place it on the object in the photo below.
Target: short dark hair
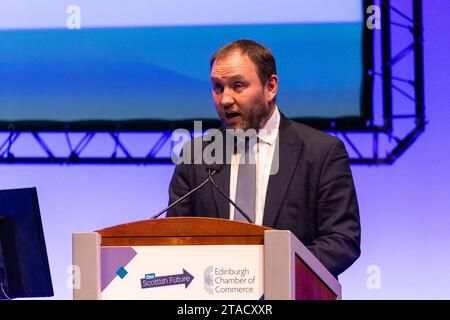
(260, 55)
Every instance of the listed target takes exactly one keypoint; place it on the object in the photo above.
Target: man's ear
(271, 87)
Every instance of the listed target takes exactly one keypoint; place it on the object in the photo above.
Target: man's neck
(264, 122)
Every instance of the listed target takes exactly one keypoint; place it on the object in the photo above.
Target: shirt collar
(269, 132)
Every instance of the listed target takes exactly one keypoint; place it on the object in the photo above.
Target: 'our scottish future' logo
(151, 281)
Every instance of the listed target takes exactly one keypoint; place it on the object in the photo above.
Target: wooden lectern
(290, 271)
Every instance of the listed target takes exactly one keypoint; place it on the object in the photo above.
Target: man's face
(241, 100)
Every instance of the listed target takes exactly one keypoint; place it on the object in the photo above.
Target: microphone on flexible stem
(213, 172)
(214, 168)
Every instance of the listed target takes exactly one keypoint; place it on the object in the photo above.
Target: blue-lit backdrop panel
(163, 72)
(73, 62)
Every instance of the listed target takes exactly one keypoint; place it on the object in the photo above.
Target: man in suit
(311, 190)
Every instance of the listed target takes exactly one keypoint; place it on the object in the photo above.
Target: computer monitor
(24, 267)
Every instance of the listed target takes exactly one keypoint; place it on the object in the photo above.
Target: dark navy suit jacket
(312, 195)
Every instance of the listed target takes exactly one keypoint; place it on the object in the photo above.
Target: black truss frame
(391, 85)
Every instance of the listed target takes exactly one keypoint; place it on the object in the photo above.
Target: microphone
(214, 168)
(211, 173)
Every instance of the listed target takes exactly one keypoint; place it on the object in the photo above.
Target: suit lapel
(289, 147)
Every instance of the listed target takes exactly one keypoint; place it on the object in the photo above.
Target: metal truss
(401, 122)
(74, 148)
(402, 105)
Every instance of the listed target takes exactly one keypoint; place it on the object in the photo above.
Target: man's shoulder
(311, 136)
(318, 148)
(193, 151)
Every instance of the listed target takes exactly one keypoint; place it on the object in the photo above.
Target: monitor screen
(24, 267)
(148, 60)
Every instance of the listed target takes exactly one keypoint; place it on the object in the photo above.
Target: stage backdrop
(404, 208)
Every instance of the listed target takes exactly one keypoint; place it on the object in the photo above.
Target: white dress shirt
(264, 153)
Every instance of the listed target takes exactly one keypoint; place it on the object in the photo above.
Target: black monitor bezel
(14, 249)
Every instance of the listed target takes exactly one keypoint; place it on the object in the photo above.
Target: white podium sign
(183, 272)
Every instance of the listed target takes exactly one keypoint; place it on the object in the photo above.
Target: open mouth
(231, 115)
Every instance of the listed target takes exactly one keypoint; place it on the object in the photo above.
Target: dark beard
(254, 119)
(258, 117)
